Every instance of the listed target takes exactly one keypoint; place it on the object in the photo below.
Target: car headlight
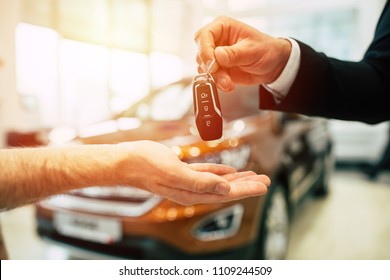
(219, 225)
(237, 157)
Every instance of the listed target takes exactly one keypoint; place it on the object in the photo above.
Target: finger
(238, 175)
(259, 178)
(206, 182)
(200, 181)
(200, 70)
(210, 66)
(219, 169)
(222, 56)
(224, 81)
(185, 197)
(222, 78)
(231, 56)
(239, 190)
(206, 45)
(198, 60)
(201, 66)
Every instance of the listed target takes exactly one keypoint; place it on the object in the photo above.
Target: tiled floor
(352, 222)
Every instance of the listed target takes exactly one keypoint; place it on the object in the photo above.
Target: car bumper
(142, 248)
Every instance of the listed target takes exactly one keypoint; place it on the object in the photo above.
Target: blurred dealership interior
(70, 63)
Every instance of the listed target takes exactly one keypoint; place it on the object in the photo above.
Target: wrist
(281, 86)
(283, 52)
(88, 165)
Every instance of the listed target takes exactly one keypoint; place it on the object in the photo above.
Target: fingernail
(224, 84)
(222, 188)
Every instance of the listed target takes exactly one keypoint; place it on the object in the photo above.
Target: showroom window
(82, 61)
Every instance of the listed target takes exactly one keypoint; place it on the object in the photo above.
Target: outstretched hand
(156, 168)
(242, 184)
(143, 164)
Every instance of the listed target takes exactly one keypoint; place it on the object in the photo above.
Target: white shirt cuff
(281, 86)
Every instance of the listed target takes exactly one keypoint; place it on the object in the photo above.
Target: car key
(207, 109)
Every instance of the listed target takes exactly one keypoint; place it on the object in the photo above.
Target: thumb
(211, 183)
(229, 56)
(202, 182)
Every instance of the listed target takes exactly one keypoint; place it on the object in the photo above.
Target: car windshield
(174, 102)
(171, 102)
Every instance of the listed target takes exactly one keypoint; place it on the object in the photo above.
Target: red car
(126, 222)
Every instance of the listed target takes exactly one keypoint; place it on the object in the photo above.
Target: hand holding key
(243, 54)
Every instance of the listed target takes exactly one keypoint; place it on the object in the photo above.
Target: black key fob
(208, 115)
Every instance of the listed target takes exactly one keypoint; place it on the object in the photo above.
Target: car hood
(132, 129)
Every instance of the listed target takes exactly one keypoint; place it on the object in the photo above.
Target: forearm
(30, 174)
(340, 89)
(333, 88)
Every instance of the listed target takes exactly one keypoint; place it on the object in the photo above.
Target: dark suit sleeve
(333, 88)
